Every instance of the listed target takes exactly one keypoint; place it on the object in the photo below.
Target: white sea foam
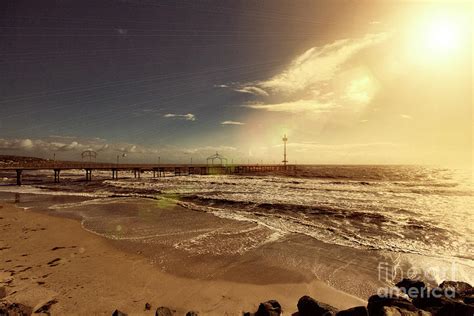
(417, 210)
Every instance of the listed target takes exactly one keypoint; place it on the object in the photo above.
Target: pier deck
(158, 170)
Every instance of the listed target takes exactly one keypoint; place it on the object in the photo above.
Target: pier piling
(18, 176)
(56, 175)
(88, 174)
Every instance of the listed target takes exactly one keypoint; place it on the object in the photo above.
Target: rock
(118, 313)
(163, 311)
(397, 311)
(444, 306)
(147, 306)
(459, 288)
(355, 311)
(15, 309)
(377, 303)
(269, 308)
(308, 306)
(432, 303)
(192, 313)
(44, 307)
(3, 292)
(412, 288)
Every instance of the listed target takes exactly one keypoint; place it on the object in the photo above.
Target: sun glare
(437, 35)
(442, 35)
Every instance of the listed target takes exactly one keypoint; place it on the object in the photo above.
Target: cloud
(16, 144)
(53, 144)
(128, 149)
(298, 106)
(187, 117)
(318, 80)
(232, 123)
(319, 64)
(121, 31)
(360, 90)
(206, 151)
(72, 149)
(354, 146)
(253, 90)
(406, 116)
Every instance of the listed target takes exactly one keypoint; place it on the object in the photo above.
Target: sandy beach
(47, 258)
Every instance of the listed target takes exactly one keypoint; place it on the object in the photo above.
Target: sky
(349, 82)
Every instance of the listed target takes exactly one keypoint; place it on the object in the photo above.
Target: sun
(437, 35)
(441, 35)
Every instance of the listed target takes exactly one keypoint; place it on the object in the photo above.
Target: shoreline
(47, 257)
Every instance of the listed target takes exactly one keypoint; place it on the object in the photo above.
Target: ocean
(410, 216)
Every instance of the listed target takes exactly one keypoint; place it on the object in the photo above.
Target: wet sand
(45, 257)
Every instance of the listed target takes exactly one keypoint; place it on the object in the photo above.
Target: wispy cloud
(309, 81)
(298, 106)
(121, 31)
(406, 116)
(253, 90)
(187, 117)
(319, 64)
(232, 123)
(358, 146)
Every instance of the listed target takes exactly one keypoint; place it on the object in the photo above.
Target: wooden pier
(137, 169)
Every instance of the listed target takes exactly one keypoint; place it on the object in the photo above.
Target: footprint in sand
(61, 247)
(54, 262)
(23, 270)
(57, 248)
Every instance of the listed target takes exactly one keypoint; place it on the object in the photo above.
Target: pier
(157, 171)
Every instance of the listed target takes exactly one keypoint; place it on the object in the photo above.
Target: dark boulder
(147, 306)
(377, 303)
(3, 292)
(432, 303)
(163, 311)
(45, 307)
(269, 308)
(459, 288)
(355, 311)
(397, 311)
(444, 306)
(412, 288)
(192, 313)
(308, 306)
(456, 309)
(118, 313)
(15, 309)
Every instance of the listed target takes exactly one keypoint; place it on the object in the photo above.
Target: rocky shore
(409, 298)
